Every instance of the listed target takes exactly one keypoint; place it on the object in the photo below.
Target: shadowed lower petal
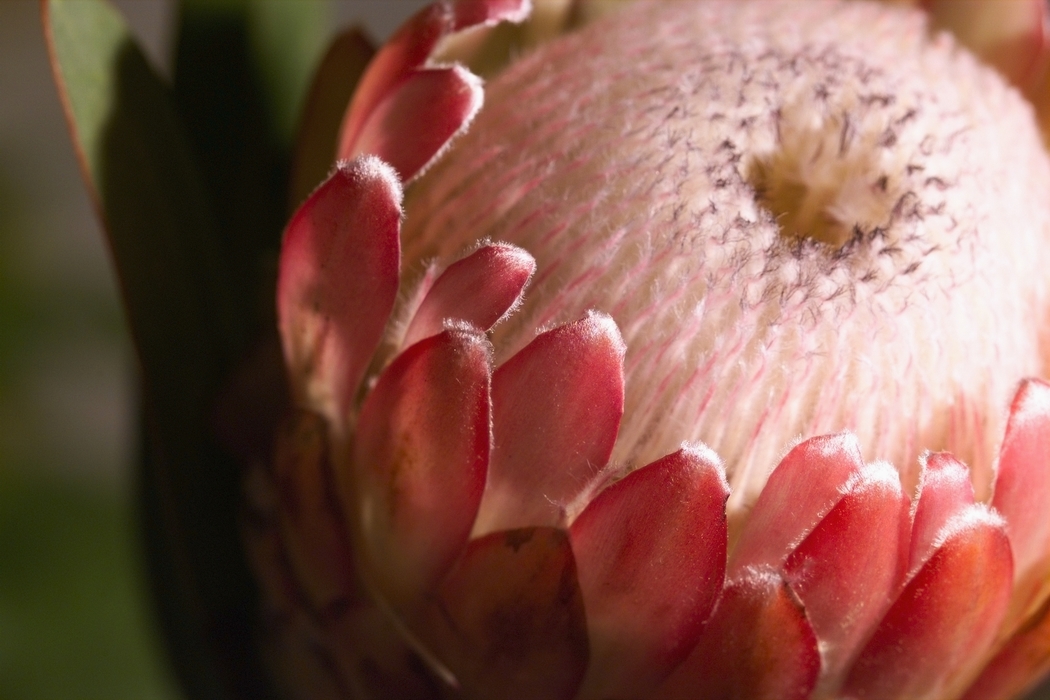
(508, 621)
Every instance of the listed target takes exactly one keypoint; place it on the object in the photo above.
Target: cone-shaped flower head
(804, 217)
(753, 430)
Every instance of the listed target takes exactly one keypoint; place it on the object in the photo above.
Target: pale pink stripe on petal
(758, 645)
(945, 617)
(509, 621)
(337, 282)
(806, 484)
(556, 409)
(420, 456)
(651, 553)
(479, 290)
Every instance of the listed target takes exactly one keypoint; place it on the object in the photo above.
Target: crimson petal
(758, 645)
(410, 48)
(945, 617)
(945, 491)
(337, 282)
(1022, 489)
(805, 485)
(849, 566)
(420, 457)
(480, 289)
(412, 126)
(556, 409)
(651, 553)
(509, 621)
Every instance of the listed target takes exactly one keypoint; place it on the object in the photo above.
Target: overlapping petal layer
(631, 596)
(408, 110)
(458, 526)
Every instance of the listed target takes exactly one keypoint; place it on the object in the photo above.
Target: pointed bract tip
(702, 457)
(600, 327)
(370, 168)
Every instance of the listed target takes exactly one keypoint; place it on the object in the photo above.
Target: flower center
(817, 185)
(804, 217)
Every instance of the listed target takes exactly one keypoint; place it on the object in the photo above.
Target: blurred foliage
(191, 182)
(74, 618)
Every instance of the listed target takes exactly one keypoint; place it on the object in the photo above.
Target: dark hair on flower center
(849, 180)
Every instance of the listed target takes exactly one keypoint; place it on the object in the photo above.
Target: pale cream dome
(805, 217)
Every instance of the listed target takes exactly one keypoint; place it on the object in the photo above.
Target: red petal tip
(851, 563)
(409, 51)
(481, 289)
(337, 282)
(416, 121)
(945, 617)
(945, 490)
(757, 645)
(803, 487)
(1022, 487)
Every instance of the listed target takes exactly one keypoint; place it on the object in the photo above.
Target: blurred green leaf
(241, 70)
(189, 322)
(288, 39)
(71, 625)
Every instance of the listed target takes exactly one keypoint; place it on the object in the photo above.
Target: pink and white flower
(735, 392)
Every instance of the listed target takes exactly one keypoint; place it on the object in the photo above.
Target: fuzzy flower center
(804, 217)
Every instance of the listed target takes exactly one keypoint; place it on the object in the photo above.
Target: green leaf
(241, 69)
(189, 325)
(218, 93)
(288, 38)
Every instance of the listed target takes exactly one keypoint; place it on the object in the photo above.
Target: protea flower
(749, 223)
(805, 218)
(703, 361)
